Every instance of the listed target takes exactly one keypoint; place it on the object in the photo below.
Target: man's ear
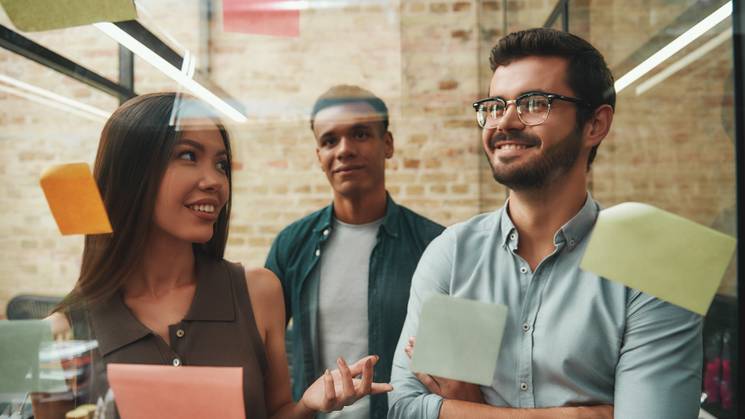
(598, 126)
(389, 148)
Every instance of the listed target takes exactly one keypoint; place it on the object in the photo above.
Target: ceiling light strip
(169, 70)
(54, 97)
(51, 103)
(673, 47)
(699, 53)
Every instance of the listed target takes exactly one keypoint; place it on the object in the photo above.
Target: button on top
(512, 236)
(523, 386)
(572, 243)
(524, 270)
(180, 333)
(526, 327)
(176, 362)
(326, 232)
(318, 252)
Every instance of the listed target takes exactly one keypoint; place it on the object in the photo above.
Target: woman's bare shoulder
(264, 288)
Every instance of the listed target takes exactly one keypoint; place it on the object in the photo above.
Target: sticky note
(261, 17)
(74, 199)
(25, 361)
(459, 339)
(44, 15)
(660, 253)
(167, 392)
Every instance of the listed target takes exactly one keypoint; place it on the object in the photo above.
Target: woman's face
(195, 186)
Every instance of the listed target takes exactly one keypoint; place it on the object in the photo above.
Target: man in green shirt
(346, 269)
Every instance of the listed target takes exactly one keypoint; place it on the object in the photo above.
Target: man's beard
(553, 162)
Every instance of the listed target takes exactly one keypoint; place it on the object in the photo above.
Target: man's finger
(365, 385)
(432, 385)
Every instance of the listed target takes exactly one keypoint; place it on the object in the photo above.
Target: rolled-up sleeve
(410, 398)
(659, 369)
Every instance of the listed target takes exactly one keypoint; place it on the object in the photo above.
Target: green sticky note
(24, 363)
(44, 15)
(459, 339)
(660, 253)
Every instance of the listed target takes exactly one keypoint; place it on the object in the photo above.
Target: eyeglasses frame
(550, 96)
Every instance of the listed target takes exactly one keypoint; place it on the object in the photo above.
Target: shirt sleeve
(659, 370)
(410, 398)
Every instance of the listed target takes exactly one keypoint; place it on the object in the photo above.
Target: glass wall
(671, 145)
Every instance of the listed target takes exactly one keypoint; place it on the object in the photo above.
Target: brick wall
(427, 59)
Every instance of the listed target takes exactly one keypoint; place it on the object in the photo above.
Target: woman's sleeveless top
(218, 330)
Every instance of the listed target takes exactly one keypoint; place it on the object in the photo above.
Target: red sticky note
(262, 17)
(167, 392)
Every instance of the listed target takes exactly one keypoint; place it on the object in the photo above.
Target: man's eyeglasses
(532, 108)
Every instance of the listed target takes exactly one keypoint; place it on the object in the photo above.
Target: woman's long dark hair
(133, 154)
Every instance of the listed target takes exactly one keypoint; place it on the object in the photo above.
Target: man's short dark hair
(587, 73)
(343, 94)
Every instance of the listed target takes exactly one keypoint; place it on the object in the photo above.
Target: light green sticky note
(660, 253)
(23, 364)
(44, 15)
(459, 339)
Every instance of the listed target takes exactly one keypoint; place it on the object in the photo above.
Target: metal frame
(738, 49)
(560, 10)
(15, 42)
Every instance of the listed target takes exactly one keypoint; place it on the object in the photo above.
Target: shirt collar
(571, 233)
(576, 229)
(115, 326)
(390, 219)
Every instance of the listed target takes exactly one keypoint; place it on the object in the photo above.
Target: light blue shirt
(571, 337)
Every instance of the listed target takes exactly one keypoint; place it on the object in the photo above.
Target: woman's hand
(338, 388)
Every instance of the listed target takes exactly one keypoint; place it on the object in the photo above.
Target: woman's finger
(377, 388)
(363, 388)
(329, 392)
(347, 396)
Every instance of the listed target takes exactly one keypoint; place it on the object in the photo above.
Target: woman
(157, 290)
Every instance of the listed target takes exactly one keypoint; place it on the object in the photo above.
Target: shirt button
(572, 243)
(523, 386)
(180, 333)
(176, 362)
(524, 270)
(326, 232)
(318, 252)
(512, 236)
(526, 327)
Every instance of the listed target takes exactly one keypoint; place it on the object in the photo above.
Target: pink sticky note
(262, 17)
(166, 392)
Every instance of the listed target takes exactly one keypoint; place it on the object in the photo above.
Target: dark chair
(26, 306)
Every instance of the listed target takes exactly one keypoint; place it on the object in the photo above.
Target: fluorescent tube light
(45, 97)
(673, 47)
(700, 52)
(169, 70)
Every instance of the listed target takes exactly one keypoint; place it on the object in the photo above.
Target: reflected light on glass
(700, 52)
(45, 97)
(673, 47)
(169, 70)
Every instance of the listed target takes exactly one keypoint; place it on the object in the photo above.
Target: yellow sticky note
(44, 15)
(74, 199)
(660, 253)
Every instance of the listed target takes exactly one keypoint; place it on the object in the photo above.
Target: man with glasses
(575, 344)
(346, 269)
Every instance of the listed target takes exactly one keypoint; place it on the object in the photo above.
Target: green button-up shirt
(294, 258)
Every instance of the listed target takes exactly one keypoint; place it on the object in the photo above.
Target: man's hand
(444, 387)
